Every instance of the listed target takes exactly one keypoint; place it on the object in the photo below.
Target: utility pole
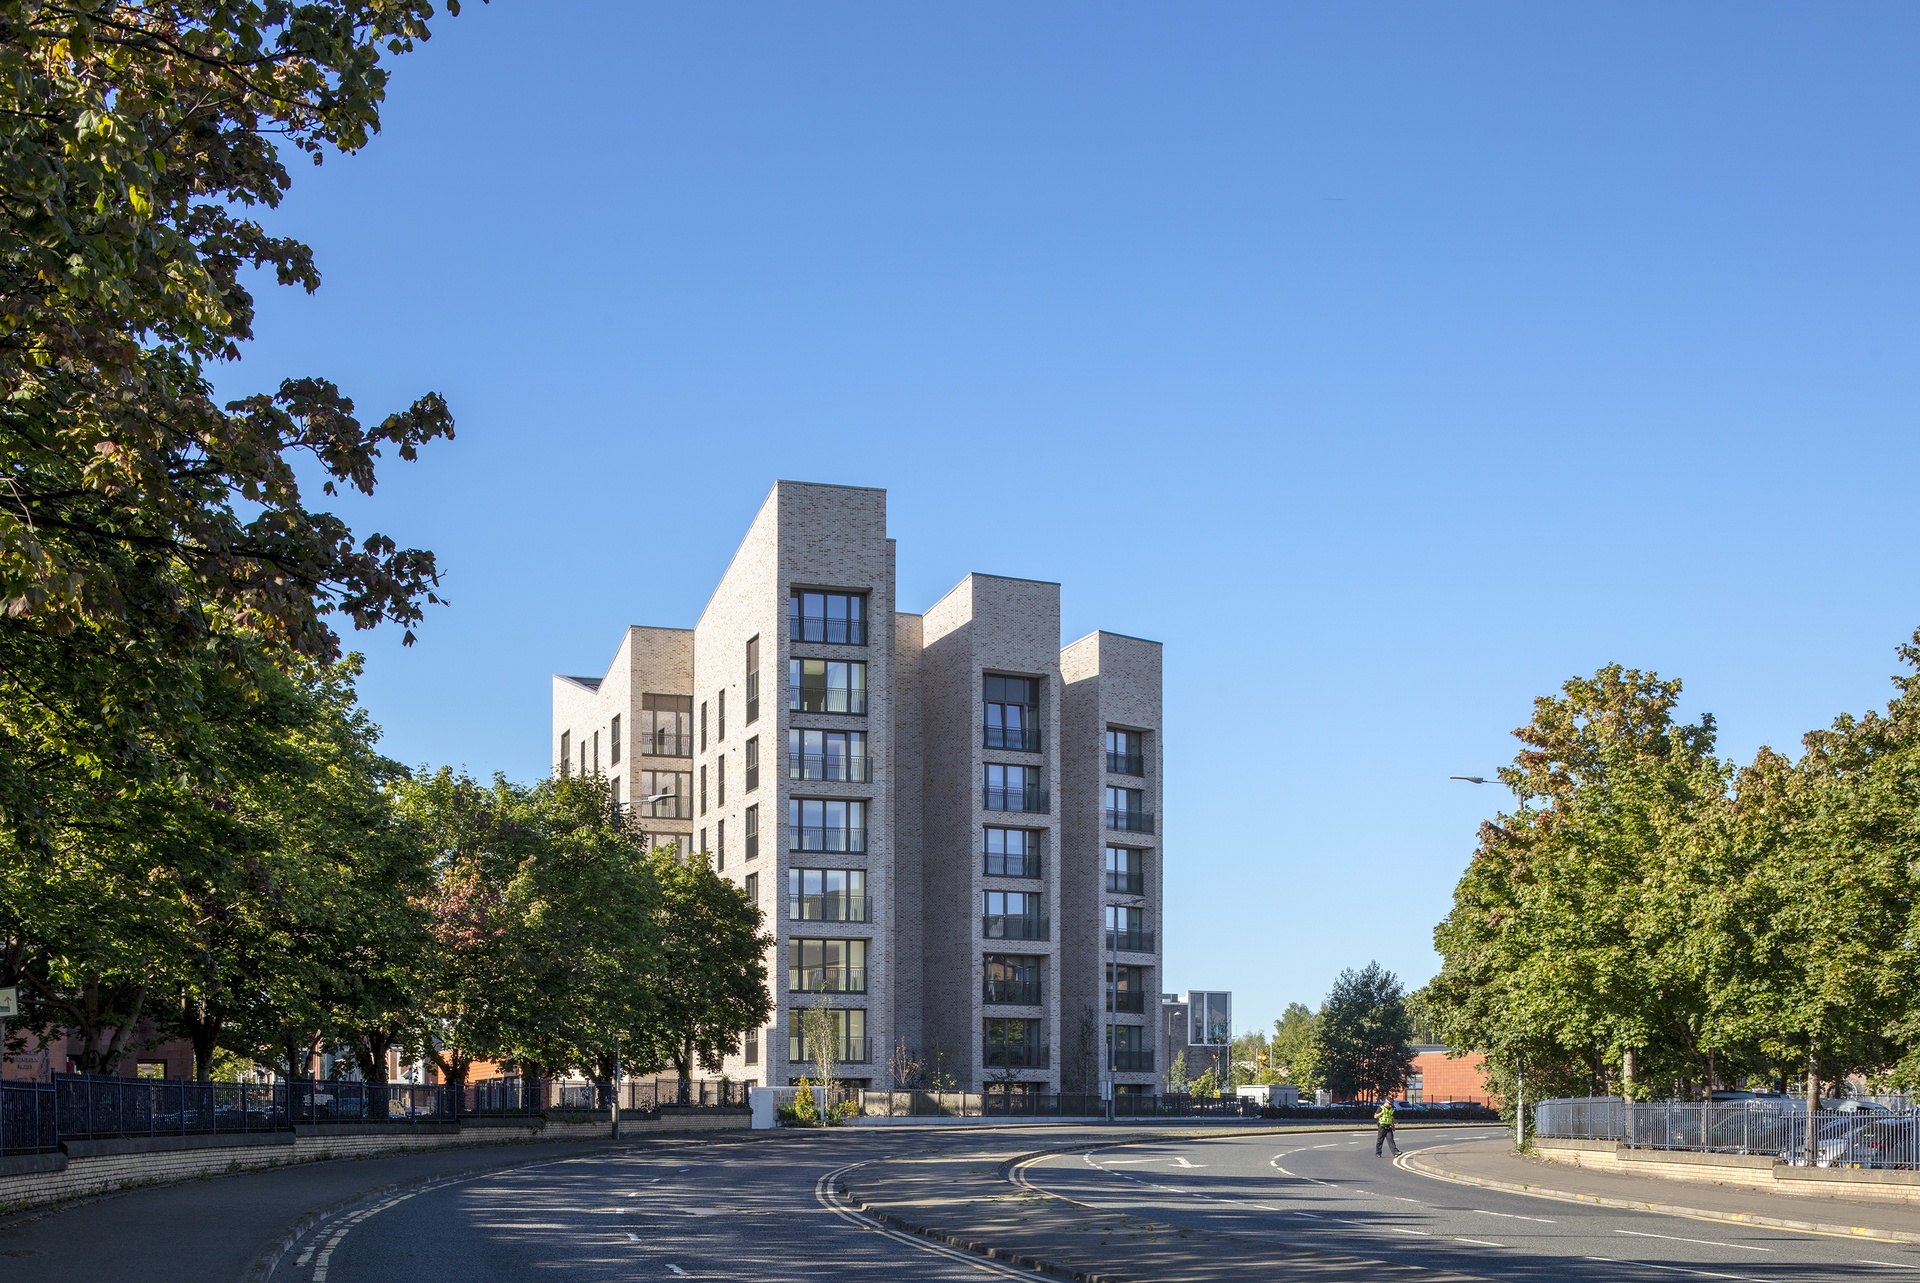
(616, 1088)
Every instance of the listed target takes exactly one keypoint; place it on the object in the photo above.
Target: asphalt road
(1329, 1191)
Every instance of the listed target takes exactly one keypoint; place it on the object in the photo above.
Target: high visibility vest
(1385, 1115)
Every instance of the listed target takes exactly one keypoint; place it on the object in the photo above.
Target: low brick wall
(1746, 1171)
(86, 1168)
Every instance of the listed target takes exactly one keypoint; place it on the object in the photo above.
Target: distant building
(1438, 1076)
(1199, 1025)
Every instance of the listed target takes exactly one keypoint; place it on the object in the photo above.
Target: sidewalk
(1492, 1164)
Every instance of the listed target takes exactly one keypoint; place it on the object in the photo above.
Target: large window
(826, 686)
(826, 824)
(1127, 929)
(1012, 853)
(1012, 788)
(826, 966)
(753, 832)
(827, 755)
(753, 680)
(1013, 1043)
(1126, 752)
(1126, 871)
(1210, 1019)
(1012, 915)
(1131, 1055)
(666, 725)
(753, 763)
(665, 795)
(1012, 712)
(849, 1036)
(1126, 988)
(566, 753)
(827, 617)
(1012, 979)
(613, 748)
(828, 895)
(1127, 811)
(720, 702)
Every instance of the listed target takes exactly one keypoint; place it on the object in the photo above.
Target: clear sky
(1390, 363)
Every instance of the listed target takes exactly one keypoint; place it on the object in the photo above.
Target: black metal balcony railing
(1015, 1055)
(1009, 926)
(826, 979)
(997, 865)
(835, 632)
(666, 744)
(1019, 993)
(1023, 739)
(1126, 763)
(667, 808)
(1126, 881)
(825, 699)
(1124, 821)
(854, 768)
(814, 837)
(1133, 1060)
(1030, 801)
(847, 1051)
(1130, 941)
(830, 907)
(1135, 1000)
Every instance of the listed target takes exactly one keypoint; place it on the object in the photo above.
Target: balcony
(1016, 993)
(1126, 881)
(815, 837)
(830, 907)
(1028, 801)
(1134, 1000)
(1133, 1060)
(1130, 941)
(1126, 763)
(827, 699)
(848, 1051)
(1015, 1055)
(1008, 926)
(853, 769)
(996, 865)
(826, 979)
(1022, 739)
(666, 744)
(1121, 821)
(834, 632)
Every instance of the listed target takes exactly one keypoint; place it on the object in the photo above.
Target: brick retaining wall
(1747, 1171)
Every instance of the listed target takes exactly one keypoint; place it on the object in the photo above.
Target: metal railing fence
(1852, 1135)
(1016, 1103)
(313, 1101)
(99, 1107)
(27, 1119)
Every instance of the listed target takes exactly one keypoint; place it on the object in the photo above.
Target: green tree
(1292, 1048)
(1362, 1034)
(712, 985)
(1178, 1083)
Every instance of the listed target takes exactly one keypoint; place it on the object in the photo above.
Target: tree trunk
(1813, 1112)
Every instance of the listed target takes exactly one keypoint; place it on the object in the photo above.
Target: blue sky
(1390, 363)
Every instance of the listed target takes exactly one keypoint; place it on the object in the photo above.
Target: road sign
(9, 1003)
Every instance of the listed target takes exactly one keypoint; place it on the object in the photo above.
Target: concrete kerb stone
(1408, 1162)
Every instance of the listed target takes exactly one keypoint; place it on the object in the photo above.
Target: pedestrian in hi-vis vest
(1384, 1117)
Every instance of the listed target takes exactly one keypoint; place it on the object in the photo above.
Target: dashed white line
(1892, 1265)
(1479, 1241)
(1704, 1242)
(1675, 1269)
(1511, 1216)
(677, 1270)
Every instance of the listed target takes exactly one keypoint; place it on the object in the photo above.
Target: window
(751, 1053)
(1013, 788)
(703, 726)
(849, 1035)
(753, 835)
(1012, 915)
(720, 844)
(583, 757)
(826, 824)
(753, 764)
(1126, 871)
(613, 743)
(826, 966)
(720, 702)
(827, 755)
(827, 617)
(1013, 1044)
(703, 790)
(1126, 752)
(596, 752)
(1127, 929)
(1012, 979)
(828, 895)
(1012, 853)
(665, 795)
(1131, 1055)
(614, 784)
(1211, 1020)
(566, 752)
(703, 840)
(1012, 712)
(666, 725)
(1126, 811)
(750, 888)
(1126, 988)
(753, 680)
(720, 781)
(826, 686)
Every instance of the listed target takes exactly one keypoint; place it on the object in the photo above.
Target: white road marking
(1705, 1242)
(1181, 1159)
(1511, 1216)
(824, 1194)
(1674, 1269)
(1892, 1265)
(682, 1273)
(633, 1236)
(1482, 1242)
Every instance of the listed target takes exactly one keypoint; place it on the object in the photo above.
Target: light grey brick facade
(938, 776)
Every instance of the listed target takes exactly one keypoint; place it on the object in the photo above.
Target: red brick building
(1438, 1076)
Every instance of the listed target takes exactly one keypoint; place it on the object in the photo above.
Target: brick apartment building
(947, 819)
